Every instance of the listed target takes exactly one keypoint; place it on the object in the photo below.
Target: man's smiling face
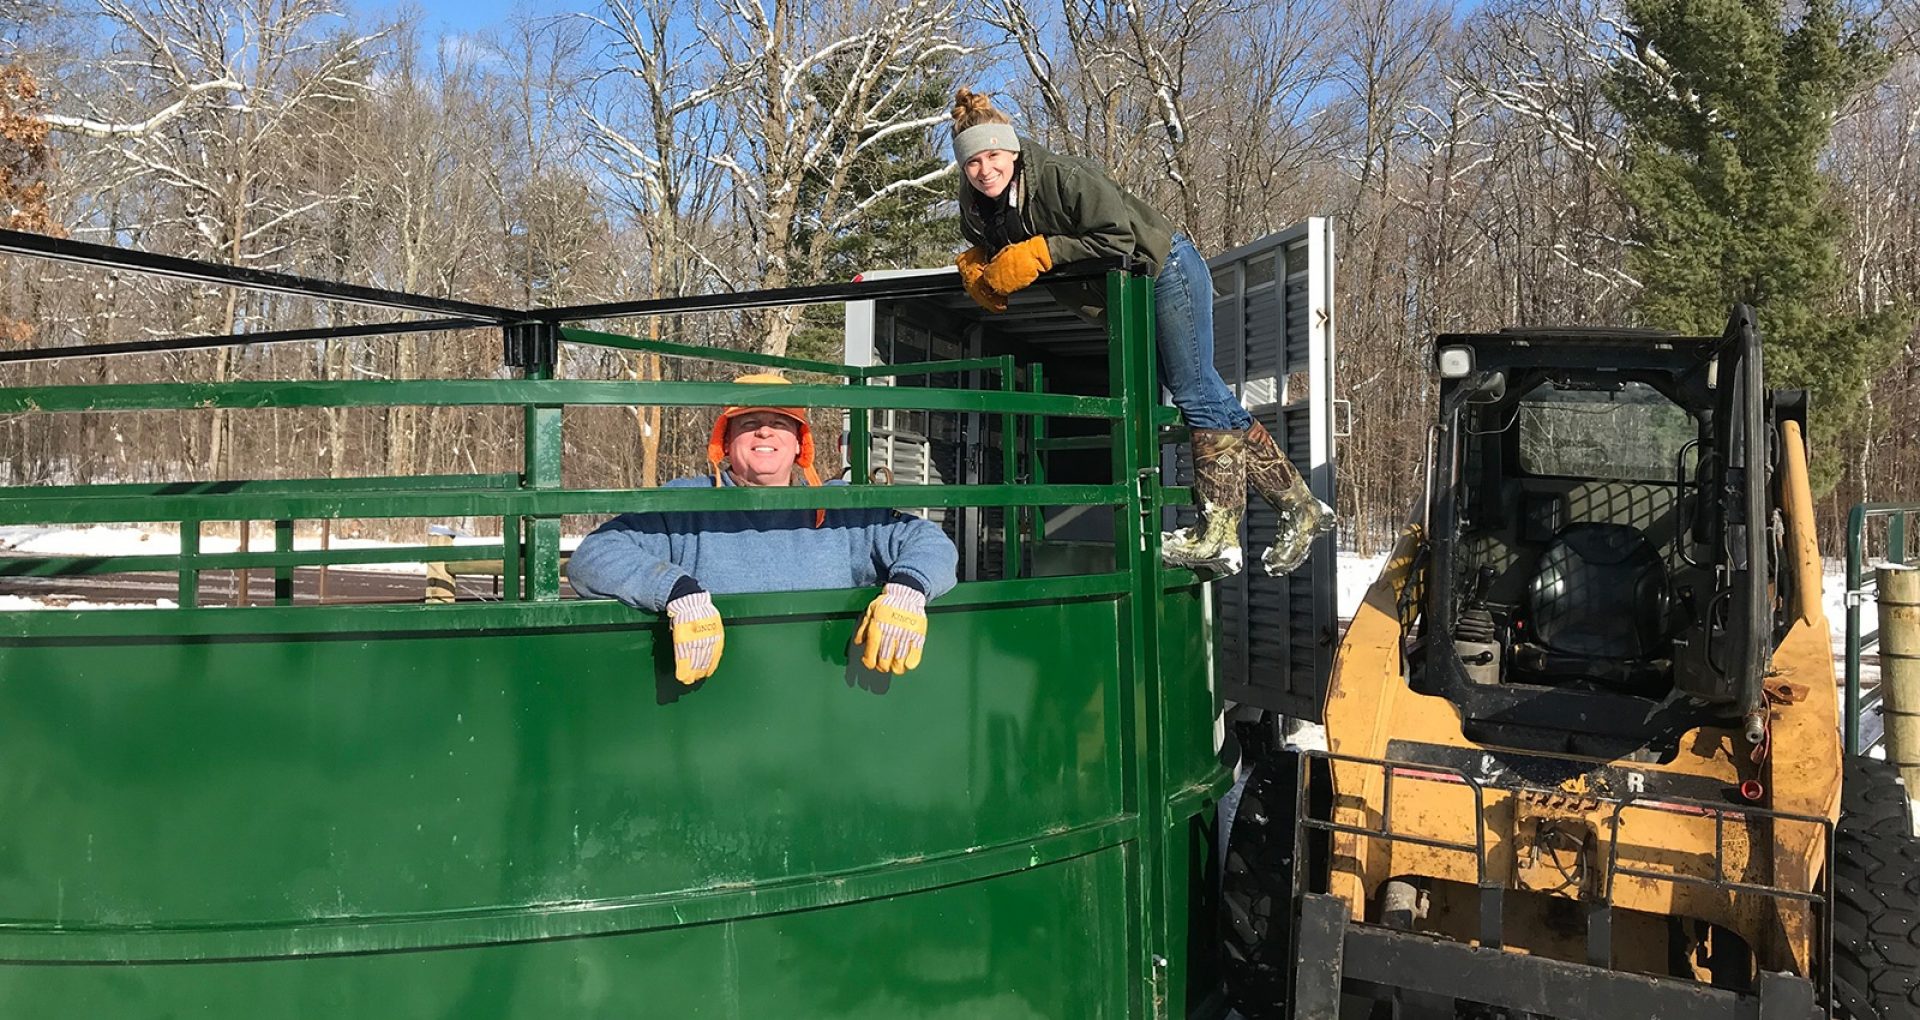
(762, 447)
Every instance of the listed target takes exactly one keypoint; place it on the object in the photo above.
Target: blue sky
(459, 17)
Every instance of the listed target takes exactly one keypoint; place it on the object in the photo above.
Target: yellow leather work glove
(698, 638)
(1018, 265)
(894, 630)
(972, 263)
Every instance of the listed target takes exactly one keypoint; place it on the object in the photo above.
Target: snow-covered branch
(92, 128)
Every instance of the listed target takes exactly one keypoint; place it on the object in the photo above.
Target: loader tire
(1873, 798)
(1876, 926)
(1256, 891)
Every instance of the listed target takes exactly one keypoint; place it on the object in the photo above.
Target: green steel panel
(517, 392)
(192, 798)
(1038, 944)
(1192, 704)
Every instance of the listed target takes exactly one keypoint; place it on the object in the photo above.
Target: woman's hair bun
(970, 108)
(967, 101)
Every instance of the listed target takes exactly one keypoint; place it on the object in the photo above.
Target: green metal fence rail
(525, 509)
(1860, 590)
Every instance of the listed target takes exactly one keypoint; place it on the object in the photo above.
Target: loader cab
(1582, 596)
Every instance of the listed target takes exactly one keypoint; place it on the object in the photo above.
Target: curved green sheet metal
(518, 813)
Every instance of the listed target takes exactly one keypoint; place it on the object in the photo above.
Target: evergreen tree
(1729, 106)
(910, 229)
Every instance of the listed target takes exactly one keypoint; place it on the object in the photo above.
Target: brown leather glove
(972, 263)
(1018, 265)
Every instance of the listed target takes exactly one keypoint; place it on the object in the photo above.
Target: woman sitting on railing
(676, 560)
(1027, 209)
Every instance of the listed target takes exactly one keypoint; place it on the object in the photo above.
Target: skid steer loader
(1583, 753)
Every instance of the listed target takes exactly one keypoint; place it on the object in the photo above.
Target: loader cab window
(1625, 432)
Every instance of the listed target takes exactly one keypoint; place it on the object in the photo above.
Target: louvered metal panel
(1273, 344)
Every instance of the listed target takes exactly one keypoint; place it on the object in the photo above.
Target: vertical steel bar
(1130, 319)
(283, 575)
(859, 439)
(1897, 537)
(542, 448)
(1136, 794)
(1856, 526)
(1010, 474)
(1037, 431)
(189, 594)
(512, 562)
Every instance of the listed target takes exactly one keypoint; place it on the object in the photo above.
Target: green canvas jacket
(1081, 212)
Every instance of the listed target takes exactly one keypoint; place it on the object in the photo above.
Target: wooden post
(1899, 595)
(439, 578)
(243, 578)
(326, 543)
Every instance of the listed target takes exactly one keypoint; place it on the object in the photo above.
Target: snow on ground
(104, 540)
(1356, 575)
(9, 603)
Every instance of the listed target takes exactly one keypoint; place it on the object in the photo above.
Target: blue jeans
(1183, 325)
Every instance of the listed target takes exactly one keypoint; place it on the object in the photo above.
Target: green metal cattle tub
(511, 809)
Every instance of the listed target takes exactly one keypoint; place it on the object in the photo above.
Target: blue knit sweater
(639, 558)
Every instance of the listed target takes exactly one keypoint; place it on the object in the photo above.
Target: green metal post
(283, 575)
(859, 438)
(1010, 472)
(538, 347)
(189, 595)
(1037, 432)
(513, 530)
(1897, 537)
(1137, 553)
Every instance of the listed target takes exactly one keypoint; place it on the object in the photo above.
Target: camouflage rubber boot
(1220, 491)
(1303, 517)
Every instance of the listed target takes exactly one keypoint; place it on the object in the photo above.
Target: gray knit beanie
(981, 137)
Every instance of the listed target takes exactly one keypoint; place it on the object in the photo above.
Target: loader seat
(1596, 608)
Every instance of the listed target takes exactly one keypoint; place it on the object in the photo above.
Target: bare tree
(657, 133)
(812, 85)
(223, 163)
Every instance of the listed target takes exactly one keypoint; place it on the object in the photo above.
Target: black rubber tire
(1256, 891)
(1873, 798)
(1876, 926)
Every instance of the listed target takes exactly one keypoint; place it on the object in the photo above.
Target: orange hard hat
(717, 442)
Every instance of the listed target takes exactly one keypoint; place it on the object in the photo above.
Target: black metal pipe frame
(86, 253)
(857, 290)
(469, 314)
(237, 339)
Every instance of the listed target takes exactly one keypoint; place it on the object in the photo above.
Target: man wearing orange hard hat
(677, 560)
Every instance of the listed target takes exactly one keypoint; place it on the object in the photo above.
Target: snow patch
(1356, 574)
(117, 540)
(12, 603)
